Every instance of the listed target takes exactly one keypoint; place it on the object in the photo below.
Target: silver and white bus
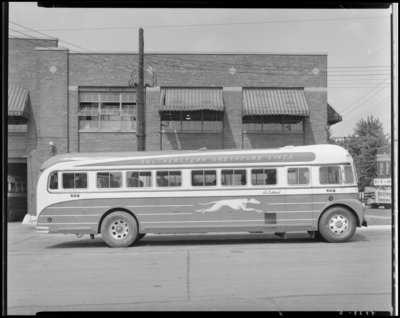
(124, 196)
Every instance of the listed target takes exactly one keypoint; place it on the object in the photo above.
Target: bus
(16, 197)
(124, 196)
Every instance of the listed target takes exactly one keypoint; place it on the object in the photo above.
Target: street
(198, 272)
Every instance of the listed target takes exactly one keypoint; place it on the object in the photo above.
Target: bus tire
(119, 229)
(337, 225)
(140, 236)
(11, 214)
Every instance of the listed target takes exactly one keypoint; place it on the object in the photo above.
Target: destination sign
(212, 159)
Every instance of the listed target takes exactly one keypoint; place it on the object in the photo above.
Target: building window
(388, 168)
(200, 120)
(107, 111)
(17, 123)
(381, 168)
(272, 122)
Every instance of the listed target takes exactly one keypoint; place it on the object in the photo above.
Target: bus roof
(315, 153)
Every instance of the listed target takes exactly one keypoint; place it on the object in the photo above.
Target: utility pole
(141, 112)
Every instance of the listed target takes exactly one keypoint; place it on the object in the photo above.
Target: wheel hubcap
(119, 230)
(338, 224)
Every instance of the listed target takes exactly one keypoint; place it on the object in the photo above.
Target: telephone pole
(141, 111)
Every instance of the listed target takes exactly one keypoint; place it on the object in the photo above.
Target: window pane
(162, 179)
(68, 180)
(304, 176)
(80, 180)
(170, 120)
(257, 177)
(53, 181)
(89, 123)
(191, 120)
(233, 177)
(175, 179)
(103, 179)
(136, 179)
(210, 178)
(293, 176)
(330, 175)
(212, 120)
(115, 179)
(270, 176)
(348, 174)
(197, 178)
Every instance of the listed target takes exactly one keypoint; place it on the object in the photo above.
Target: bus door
(299, 202)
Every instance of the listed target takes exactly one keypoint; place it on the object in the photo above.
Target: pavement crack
(188, 275)
(22, 240)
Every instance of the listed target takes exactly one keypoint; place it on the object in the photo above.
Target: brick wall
(16, 145)
(99, 142)
(270, 140)
(191, 141)
(22, 72)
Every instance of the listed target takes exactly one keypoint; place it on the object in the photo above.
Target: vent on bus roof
(202, 149)
(288, 147)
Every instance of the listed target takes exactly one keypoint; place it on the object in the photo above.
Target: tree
(330, 139)
(368, 136)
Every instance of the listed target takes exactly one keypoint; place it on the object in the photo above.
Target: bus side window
(169, 178)
(233, 177)
(138, 179)
(330, 175)
(204, 178)
(298, 176)
(263, 176)
(348, 174)
(53, 181)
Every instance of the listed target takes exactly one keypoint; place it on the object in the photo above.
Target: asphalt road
(198, 272)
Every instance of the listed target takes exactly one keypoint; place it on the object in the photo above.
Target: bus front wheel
(337, 225)
(119, 229)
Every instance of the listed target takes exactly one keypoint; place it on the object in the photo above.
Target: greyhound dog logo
(236, 204)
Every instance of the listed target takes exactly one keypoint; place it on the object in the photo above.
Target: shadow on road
(210, 240)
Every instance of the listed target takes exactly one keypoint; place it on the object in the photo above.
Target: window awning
(109, 110)
(89, 111)
(333, 116)
(275, 102)
(191, 99)
(18, 101)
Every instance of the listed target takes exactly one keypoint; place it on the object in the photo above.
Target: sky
(357, 42)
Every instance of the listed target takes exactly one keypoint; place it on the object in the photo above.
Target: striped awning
(18, 101)
(191, 99)
(333, 116)
(275, 102)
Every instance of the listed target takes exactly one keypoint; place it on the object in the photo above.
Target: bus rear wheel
(119, 229)
(337, 225)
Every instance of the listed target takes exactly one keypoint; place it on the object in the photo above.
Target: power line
(212, 24)
(351, 122)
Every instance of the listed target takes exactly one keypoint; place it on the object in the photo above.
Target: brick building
(82, 101)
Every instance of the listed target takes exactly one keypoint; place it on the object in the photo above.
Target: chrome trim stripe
(176, 213)
(153, 206)
(72, 215)
(77, 207)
